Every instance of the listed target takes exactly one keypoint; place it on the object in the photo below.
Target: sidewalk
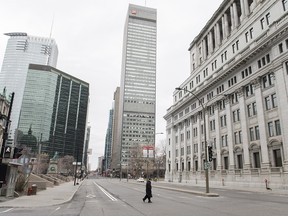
(200, 190)
(49, 197)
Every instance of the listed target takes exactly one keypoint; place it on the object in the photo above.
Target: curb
(189, 191)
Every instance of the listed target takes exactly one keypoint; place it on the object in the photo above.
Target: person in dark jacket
(148, 191)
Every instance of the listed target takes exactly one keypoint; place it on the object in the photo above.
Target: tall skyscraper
(108, 142)
(54, 112)
(21, 51)
(138, 81)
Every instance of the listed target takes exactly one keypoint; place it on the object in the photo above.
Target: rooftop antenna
(51, 26)
(49, 41)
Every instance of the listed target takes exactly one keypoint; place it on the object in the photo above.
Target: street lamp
(205, 140)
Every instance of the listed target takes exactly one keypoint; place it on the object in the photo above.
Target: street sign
(207, 165)
(148, 151)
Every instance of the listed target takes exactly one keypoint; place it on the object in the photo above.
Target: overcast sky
(89, 35)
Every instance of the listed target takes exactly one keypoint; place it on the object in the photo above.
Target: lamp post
(205, 139)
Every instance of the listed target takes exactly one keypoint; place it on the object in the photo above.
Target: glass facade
(54, 107)
(21, 51)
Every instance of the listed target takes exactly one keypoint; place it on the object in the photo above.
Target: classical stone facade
(238, 86)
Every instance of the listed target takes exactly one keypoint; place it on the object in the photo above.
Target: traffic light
(17, 152)
(210, 153)
(7, 151)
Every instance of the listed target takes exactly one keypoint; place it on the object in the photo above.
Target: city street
(112, 197)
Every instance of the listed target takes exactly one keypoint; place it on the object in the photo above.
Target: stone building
(236, 97)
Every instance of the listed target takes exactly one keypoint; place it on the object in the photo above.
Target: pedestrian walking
(148, 191)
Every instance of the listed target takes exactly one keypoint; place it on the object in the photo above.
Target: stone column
(232, 18)
(261, 123)
(223, 28)
(235, 13)
(244, 9)
(203, 48)
(230, 135)
(226, 25)
(244, 128)
(218, 138)
(191, 144)
(185, 147)
(217, 35)
(173, 153)
(199, 143)
(281, 86)
(210, 46)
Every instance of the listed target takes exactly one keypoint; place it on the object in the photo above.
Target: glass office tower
(138, 81)
(54, 111)
(21, 51)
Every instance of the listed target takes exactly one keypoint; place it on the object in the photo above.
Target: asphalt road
(105, 197)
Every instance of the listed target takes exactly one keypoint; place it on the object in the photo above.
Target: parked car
(140, 179)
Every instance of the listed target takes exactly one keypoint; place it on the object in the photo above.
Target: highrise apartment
(54, 112)
(239, 73)
(21, 51)
(138, 81)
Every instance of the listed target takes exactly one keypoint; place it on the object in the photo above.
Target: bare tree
(65, 165)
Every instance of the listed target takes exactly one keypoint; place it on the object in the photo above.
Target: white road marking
(6, 210)
(105, 192)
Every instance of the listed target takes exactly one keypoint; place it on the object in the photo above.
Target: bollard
(223, 182)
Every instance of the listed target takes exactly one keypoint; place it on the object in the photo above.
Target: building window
(176, 153)
(182, 151)
(267, 103)
(271, 101)
(189, 165)
(246, 72)
(285, 5)
(196, 148)
(188, 135)
(274, 100)
(251, 133)
(249, 35)
(236, 137)
(280, 46)
(176, 139)
(223, 121)
(277, 128)
(240, 161)
(268, 19)
(240, 137)
(226, 163)
(222, 104)
(257, 134)
(224, 140)
(235, 46)
(249, 90)
(181, 137)
(270, 129)
(277, 157)
(263, 61)
(212, 125)
(256, 157)
(232, 81)
(234, 98)
(188, 149)
(236, 115)
(268, 80)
